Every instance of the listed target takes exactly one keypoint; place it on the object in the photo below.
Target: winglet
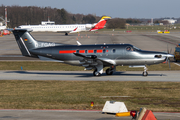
(105, 18)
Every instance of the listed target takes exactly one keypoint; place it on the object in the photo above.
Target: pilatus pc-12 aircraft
(94, 57)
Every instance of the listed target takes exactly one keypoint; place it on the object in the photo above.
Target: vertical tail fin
(25, 41)
(101, 23)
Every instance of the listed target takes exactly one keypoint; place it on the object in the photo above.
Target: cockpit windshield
(135, 48)
(132, 48)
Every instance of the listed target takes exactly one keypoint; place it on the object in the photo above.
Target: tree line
(33, 15)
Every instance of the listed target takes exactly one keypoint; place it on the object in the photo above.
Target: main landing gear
(109, 71)
(145, 73)
(95, 73)
(98, 70)
(66, 33)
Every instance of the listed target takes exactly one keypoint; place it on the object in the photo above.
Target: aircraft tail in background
(101, 23)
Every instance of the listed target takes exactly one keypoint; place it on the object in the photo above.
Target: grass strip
(156, 96)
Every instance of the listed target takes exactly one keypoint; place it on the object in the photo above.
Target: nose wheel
(145, 73)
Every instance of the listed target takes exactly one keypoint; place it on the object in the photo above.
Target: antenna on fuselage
(78, 43)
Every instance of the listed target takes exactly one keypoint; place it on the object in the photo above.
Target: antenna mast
(6, 16)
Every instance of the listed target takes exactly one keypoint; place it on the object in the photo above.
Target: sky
(114, 8)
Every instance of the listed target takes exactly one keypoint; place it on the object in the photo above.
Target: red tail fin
(101, 23)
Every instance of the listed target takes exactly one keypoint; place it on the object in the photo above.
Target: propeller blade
(167, 49)
(169, 64)
(170, 50)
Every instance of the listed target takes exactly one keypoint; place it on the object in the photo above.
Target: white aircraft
(2, 27)
(68, 28)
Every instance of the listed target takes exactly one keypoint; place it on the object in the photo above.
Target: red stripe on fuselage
(99, 51)
(90, 51)
(66, 51)
(80, 51)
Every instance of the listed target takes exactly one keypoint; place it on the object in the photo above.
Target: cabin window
(113, 50)
(95, 51)
(104, 51)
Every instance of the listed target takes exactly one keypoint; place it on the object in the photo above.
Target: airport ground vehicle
(177, 53)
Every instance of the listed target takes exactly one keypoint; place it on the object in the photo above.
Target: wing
(91, 61)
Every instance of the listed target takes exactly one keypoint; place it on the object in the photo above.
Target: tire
(109, 71)
(145, 73)
(94, 73)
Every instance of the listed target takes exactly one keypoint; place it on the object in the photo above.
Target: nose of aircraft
(169, 56)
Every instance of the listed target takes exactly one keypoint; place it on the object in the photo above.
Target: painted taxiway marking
(177, 64)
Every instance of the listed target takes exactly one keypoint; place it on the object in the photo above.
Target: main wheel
(95, 73)
(66, 33)
(145, 73)
(109, 71)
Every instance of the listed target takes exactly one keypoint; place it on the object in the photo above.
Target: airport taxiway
(145, 41)
(9, 50)
(72, 114)
(160, 76)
